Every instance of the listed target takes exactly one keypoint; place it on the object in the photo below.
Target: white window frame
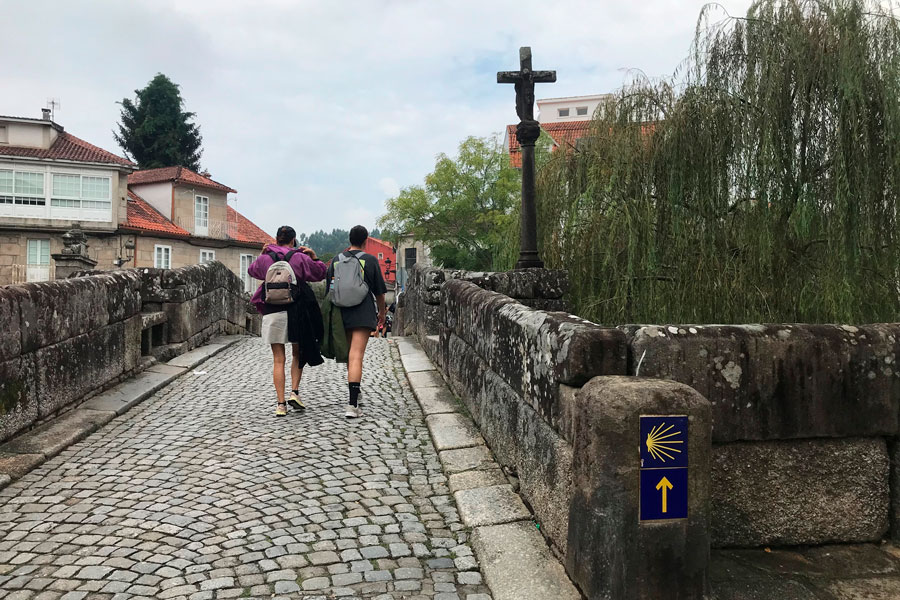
(32, 206)
(4, 134)
(37, 271)
(381, 256)
(20, 204)
(168, 255)
(201, 217)
(207, 256)
(560, 111)
(245, 261)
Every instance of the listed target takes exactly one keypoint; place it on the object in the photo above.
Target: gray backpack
(280, 286)
(348, 287)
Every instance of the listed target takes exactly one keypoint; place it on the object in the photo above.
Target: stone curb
(31, 449)
(514, 557)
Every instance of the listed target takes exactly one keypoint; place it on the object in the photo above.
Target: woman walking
(360, 320)
(275, 323)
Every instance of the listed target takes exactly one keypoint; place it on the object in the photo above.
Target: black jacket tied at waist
(305, 326)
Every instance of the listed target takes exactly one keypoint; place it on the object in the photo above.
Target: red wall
(376, 247)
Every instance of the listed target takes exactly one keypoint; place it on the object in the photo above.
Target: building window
(409, 258)
(22, 187)
(581, 111)
(4, 135)
(246, 261)
(69, 196)
(207, 255)
(162, 257)
(38, 259)
(563, 112)
(201, 215)
(81, 192)
(381, 256)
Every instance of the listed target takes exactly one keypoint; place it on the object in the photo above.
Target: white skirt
(275, 328)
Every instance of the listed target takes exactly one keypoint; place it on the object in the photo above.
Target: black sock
(354, 393)
(295, 392)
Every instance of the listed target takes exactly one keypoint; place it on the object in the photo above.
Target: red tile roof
(178, 175)
(143, 217)
(68, 147)
(565, 132)
(247, 231)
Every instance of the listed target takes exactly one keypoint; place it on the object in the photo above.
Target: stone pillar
(74, 256)
(617, 548)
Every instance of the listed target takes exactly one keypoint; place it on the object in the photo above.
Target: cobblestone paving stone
(202, 493)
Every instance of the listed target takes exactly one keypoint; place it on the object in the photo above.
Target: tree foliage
(464, 208)
(155, 131)
(759, 184)
(328, 244)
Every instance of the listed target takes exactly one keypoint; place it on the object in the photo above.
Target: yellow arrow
(666, 485)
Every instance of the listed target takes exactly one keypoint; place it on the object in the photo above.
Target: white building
(573, 108)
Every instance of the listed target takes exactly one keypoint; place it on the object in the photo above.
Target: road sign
(664, 462)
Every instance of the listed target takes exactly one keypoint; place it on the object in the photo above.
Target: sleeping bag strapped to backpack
(280, 286)
(349, 287)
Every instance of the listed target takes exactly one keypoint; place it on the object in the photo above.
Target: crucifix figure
(527, 132)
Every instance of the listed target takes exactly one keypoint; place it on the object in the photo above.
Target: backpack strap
(275, 256)
(287, 257)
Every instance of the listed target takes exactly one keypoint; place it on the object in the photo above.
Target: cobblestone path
(200, 492)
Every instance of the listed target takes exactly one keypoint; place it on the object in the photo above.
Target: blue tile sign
(664, 461)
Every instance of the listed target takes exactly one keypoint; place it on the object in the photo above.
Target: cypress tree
(155, 131)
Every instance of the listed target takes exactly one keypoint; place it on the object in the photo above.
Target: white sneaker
(352, 412)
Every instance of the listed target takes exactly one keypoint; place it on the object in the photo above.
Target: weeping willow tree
(759, 184)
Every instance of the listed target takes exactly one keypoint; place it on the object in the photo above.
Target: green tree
(760, 184)
(464, 208)
(329, 244)
(155, 130)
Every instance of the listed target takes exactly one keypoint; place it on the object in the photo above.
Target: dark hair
(358, 235)
(285, 235)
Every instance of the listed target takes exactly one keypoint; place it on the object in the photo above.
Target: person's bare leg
(358, 339)
(296, 373)
(278, 371)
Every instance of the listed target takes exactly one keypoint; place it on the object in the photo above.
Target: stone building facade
(178, 217)
(52, 181)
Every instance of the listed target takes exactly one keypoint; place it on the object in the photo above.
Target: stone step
(517, 564)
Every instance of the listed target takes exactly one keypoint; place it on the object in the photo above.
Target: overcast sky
(318, 111)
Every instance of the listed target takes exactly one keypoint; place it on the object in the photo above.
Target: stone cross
(527, 132)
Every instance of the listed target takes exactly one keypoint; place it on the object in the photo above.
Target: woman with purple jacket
(307, 267)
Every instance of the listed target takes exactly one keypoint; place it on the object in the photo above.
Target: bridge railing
(792, 426)
(61, 341)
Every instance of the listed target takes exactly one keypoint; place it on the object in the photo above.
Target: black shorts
(362, 316)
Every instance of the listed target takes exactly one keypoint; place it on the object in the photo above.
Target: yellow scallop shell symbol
(660, 444)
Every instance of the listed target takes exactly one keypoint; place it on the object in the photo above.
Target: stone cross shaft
(527, 133)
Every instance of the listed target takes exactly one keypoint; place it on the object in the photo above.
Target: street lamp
(128, 253)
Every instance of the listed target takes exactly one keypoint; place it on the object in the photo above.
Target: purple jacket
(305, 268)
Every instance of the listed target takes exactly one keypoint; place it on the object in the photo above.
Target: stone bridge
(501, 454)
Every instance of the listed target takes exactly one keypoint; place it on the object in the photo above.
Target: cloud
(389, 186)
(302, 105)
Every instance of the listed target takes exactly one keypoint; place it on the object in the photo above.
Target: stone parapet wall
(804, 418)
(419, 307)
(61, 341)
